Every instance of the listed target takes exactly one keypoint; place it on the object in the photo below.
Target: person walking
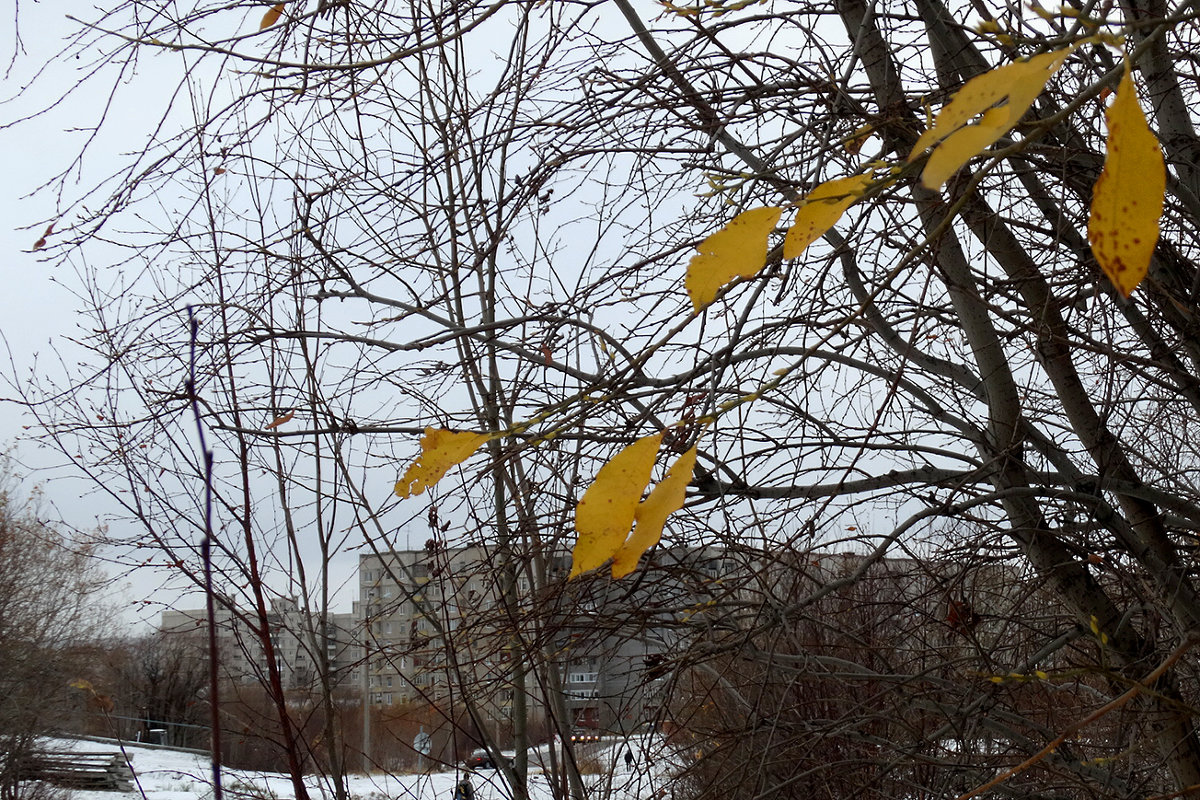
(464, 790)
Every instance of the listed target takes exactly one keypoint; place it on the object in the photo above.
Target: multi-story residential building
(296, 637)
(437, 622)
(433, 621)
(617, 639)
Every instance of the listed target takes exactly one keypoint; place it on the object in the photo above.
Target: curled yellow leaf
(440, 450)
(271, 17)
(999, 97)
(665, 499)
(605, 514)
(1127, 200)
(739, 250)
(822, 208)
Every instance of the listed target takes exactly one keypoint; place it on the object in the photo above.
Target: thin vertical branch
(206, 556)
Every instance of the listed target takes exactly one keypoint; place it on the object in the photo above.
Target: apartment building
(436, 622)
(433, 620)
(296, 636)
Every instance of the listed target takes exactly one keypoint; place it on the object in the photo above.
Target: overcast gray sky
(45, 126)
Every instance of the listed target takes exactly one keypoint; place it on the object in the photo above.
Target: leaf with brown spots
(739, 250)
(1127, 200)
(440, 450)
(605, 514)
(998, 98)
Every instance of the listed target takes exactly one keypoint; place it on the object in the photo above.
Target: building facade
(441, 621)
(297, 637)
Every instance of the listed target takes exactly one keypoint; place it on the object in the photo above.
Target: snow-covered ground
(171, 775)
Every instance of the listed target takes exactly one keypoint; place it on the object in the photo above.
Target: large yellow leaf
(1001, 96)
(605, 514)
(1127, 200)
(822, 208)
(440, 450)
(665, 499)
(739, 250)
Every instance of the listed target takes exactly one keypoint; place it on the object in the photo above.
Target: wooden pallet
(89, 770)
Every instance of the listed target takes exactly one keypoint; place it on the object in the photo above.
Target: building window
(582, 677)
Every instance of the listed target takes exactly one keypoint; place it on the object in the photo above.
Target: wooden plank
(89, 770)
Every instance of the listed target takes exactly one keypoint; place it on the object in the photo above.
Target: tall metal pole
(366, 701)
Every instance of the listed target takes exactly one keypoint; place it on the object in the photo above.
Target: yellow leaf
(739, 250)
(440, 450)
(1001, 96)
(271, 17)
(81, 683)
(665, 499)
(605, 514)
(1127, 200)
(822, 208)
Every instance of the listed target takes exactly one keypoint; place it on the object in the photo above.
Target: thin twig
(1105, 709)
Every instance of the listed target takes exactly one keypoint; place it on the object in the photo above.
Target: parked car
(482, 759)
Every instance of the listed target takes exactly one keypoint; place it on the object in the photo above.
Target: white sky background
(38, 316)
(38, 306)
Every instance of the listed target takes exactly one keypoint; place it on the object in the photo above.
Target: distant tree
(48, 610)
(158, 681)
